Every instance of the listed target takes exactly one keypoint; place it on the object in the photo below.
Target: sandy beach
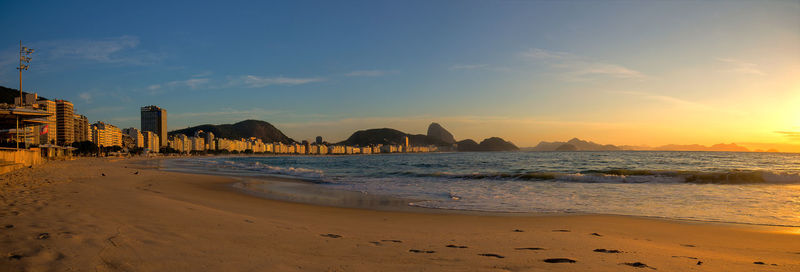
(121, 215)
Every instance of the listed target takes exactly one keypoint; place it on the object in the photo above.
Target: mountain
(438, 132)
(577, 144)
(468, 145)
(567, 147)
(497, 144)
(489, 144)
(7, 95)
(244, 129)
(388, 136)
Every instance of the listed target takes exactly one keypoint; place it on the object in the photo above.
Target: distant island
(576, 144)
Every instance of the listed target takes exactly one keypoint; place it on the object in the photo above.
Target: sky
(614, 72)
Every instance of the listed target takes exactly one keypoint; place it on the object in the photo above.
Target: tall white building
(106, 134)
(136, 135)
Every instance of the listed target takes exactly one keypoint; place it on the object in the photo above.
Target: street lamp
(24, 63)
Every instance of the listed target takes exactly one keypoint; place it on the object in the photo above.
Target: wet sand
(122, 215)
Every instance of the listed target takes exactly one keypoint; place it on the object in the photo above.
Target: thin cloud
(741, 67)
(86, 97)
(120, 50)
(251, 81)
(203, 74)
(578, 68)
(541, 54)
(792, 135)
(467, 66)
(664, 98)
(366, 73)
(192, 83)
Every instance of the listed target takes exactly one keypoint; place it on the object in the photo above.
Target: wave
(260, 168)
(636, 176)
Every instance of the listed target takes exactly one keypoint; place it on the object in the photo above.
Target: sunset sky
(618, 72)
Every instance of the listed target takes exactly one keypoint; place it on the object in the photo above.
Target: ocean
(731, 187)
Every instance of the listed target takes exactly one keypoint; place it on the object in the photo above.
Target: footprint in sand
(688, 257)
(762, 263)
(491, 255)
(687, 245)
(529, 248)
(331, 235)
(393, 241)
(43, 236)
(11, 226)
(14, 256)
(639, 265)
(455, 246)
(375, 243)
(421, 251)
(596, 234)
(518, 230)
(559, 260)
(603, 250)
(561, 230)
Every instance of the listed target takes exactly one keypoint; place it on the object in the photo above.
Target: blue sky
(622, 72)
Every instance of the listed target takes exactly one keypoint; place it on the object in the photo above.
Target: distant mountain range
(244, 129)
(573, 145)
(576, 144)
(437, 135)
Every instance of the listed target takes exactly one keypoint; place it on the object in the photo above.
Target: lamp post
(24, 63)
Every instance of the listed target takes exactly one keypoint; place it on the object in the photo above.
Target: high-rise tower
(154, 119)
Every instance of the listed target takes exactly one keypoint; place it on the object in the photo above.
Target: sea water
(749, 188)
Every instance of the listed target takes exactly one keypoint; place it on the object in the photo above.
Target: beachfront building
(180, 143)
(198, 144)
(175, 143)
(106, 134)
(231, 145)
(154, 119)
(209, 139)
(136, 135)
(322, 149)
(279, 148)
(151, 141)
(81, 129)
(391, 149)
(336, 149)
(48, 130)
(65, 115)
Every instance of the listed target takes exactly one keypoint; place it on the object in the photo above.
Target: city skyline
(606, 79)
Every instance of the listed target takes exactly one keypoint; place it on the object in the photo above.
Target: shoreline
(113, 214)
(376, 201)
